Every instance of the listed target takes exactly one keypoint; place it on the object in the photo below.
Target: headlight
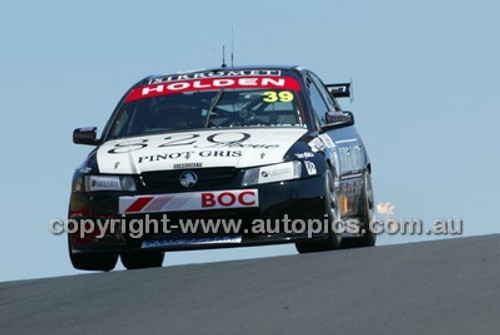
(273, 173)
(109, 183)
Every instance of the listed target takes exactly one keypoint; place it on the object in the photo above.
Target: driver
(174, 116)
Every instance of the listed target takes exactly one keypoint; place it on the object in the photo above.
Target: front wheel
(334, 240)
(91, 261)
(143, 260)
(369, 238)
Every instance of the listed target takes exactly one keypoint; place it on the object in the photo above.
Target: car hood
(238, 148)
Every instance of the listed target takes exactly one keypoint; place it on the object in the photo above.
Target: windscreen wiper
(211, 109)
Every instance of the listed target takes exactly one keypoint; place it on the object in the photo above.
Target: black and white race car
(266, 147)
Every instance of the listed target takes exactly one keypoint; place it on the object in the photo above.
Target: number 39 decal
(282, 96)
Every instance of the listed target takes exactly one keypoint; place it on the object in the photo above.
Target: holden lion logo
(188, 179)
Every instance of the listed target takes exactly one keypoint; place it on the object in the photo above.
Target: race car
(268, 149)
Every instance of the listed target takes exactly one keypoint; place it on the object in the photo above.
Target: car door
(346, 148)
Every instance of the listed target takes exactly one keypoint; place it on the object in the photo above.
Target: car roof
(220, 68)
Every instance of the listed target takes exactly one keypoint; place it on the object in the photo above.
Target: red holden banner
(271, 82)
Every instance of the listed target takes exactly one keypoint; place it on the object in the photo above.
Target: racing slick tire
(143, 260)
(92, 261)
(368, 239)
(334, 240)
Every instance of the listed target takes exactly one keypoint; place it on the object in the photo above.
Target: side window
(324, 92)
(319, 105)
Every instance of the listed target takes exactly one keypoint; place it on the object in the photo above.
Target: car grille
(210, 178)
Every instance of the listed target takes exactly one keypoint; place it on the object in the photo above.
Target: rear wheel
(91, 261)
(143, 260)
(334, 240)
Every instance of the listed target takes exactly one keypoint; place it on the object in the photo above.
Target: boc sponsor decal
(191, 201)
(217, 200)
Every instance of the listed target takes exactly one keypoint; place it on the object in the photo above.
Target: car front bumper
(283, 208)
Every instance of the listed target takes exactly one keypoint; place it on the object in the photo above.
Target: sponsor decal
(84, 169)
(216, 140)
(191, 201)
(188, 165)
(316, 145)
(103, 183)
(203, 149)
(247, 198)
(311, 168)
(304, 155)
(178, 155)
(215, 74)
(272, 173)
(190, 85)
(351, 157)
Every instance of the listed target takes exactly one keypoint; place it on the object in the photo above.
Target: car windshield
(220, 108)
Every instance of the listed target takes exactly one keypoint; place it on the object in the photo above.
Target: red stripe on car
(138, 205)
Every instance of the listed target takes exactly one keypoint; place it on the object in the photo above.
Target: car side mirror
(86, 136)
(338, 120)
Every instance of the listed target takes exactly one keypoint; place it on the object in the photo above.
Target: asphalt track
(440, 287)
